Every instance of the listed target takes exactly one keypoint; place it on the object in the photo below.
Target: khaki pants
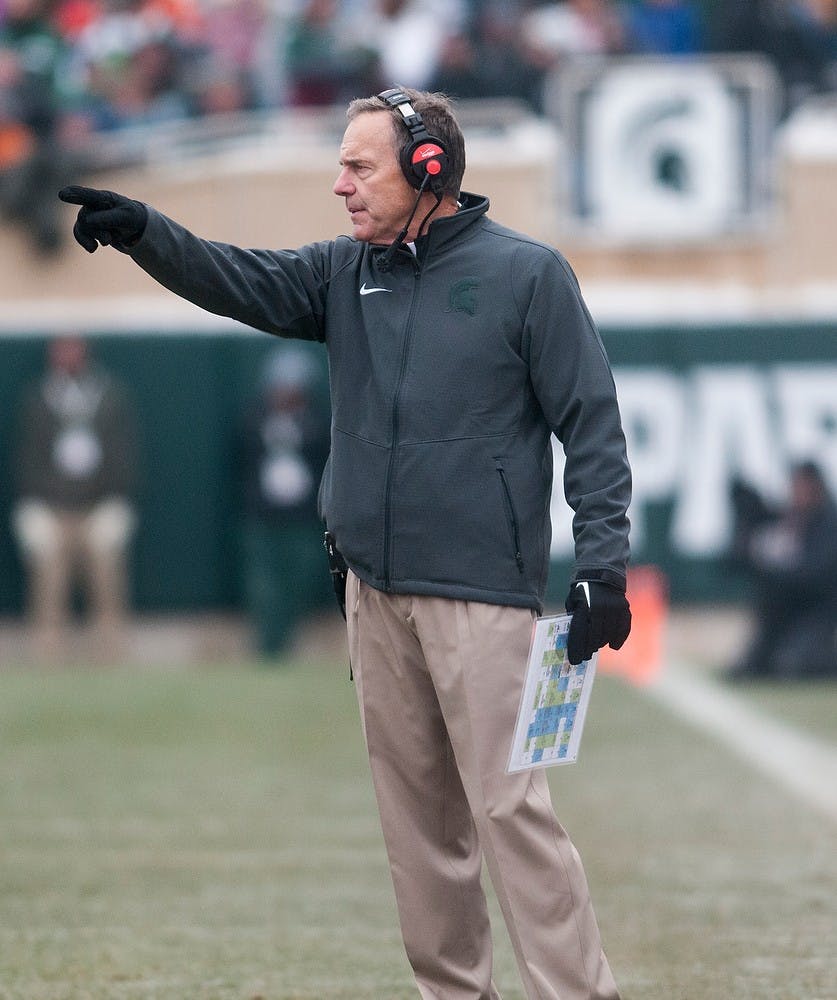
(438, 683)
(61, 546)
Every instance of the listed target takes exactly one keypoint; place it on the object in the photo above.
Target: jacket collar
(447, 230)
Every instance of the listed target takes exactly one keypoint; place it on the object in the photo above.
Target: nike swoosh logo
(369, 291)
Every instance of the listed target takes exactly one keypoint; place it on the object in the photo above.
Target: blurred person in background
(34, 153)
(282, 448)
(573, 29)
(789, 555)
(76, 481)
(664, 27)
(460, 70)
(555, 35)
(488, 57)
(230, 56)
(798, 36)
(406, 37)
(324, 63)
(134, 59)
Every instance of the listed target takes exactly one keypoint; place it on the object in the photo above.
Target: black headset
(423, 159)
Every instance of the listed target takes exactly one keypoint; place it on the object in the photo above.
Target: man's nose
(343, 186)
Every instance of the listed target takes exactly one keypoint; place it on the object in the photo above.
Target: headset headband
(397, 99)
(423, 160)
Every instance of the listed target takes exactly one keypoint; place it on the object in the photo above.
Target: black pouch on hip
(338, 569)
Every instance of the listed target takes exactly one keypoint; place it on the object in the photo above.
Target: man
(453, 356)
(790, 557)
(76, 471)
(281, 448)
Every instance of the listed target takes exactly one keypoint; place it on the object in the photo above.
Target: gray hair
(436, 112)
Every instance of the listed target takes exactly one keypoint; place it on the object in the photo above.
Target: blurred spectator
(798, 36)
(556, 34)
(574, 28)
(34, 161)
(664, 27)
(460, 69)
(322, 66)
(282, 448)
(406, 37)
(71, 17)
(67, 65)
(489, 58)
(130, 61)
(76, 480)
(790, 555)
(230, 70)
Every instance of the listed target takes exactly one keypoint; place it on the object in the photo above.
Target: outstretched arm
(280, 292)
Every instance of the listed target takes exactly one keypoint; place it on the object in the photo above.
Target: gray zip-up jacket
(449, 370)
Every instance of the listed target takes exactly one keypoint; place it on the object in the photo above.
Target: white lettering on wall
(653, 418)
(690, 434)
(807, 397)
(728, 434)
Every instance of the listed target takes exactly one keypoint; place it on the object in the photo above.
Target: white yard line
(802, 764)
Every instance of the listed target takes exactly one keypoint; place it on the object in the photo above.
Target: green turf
(210, 834)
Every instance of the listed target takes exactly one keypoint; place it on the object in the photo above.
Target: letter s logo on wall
(668, 150)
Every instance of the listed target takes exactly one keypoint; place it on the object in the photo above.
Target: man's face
(378, 196)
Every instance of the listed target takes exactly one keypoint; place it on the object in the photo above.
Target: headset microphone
(385, 260)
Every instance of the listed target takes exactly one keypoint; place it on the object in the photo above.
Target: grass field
(210, 834)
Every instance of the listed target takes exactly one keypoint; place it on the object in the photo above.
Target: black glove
(105, 217)
(601, 616)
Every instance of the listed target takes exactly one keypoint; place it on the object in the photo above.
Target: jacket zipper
(512, 516)
(396, 400)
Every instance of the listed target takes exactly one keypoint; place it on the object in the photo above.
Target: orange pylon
(641, 657)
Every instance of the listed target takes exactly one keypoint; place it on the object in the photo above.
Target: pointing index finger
(89, 197)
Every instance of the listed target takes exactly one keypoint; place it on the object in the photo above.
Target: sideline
(802, 764)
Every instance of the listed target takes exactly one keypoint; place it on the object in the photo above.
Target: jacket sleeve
(278, 291)
(574, 385)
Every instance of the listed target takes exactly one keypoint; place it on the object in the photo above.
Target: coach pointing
(456, 348)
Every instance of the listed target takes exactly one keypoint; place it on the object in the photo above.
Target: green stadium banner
(701, 406)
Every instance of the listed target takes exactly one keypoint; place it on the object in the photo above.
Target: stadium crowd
(71, 69)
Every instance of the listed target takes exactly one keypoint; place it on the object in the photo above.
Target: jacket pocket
(511, 513)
